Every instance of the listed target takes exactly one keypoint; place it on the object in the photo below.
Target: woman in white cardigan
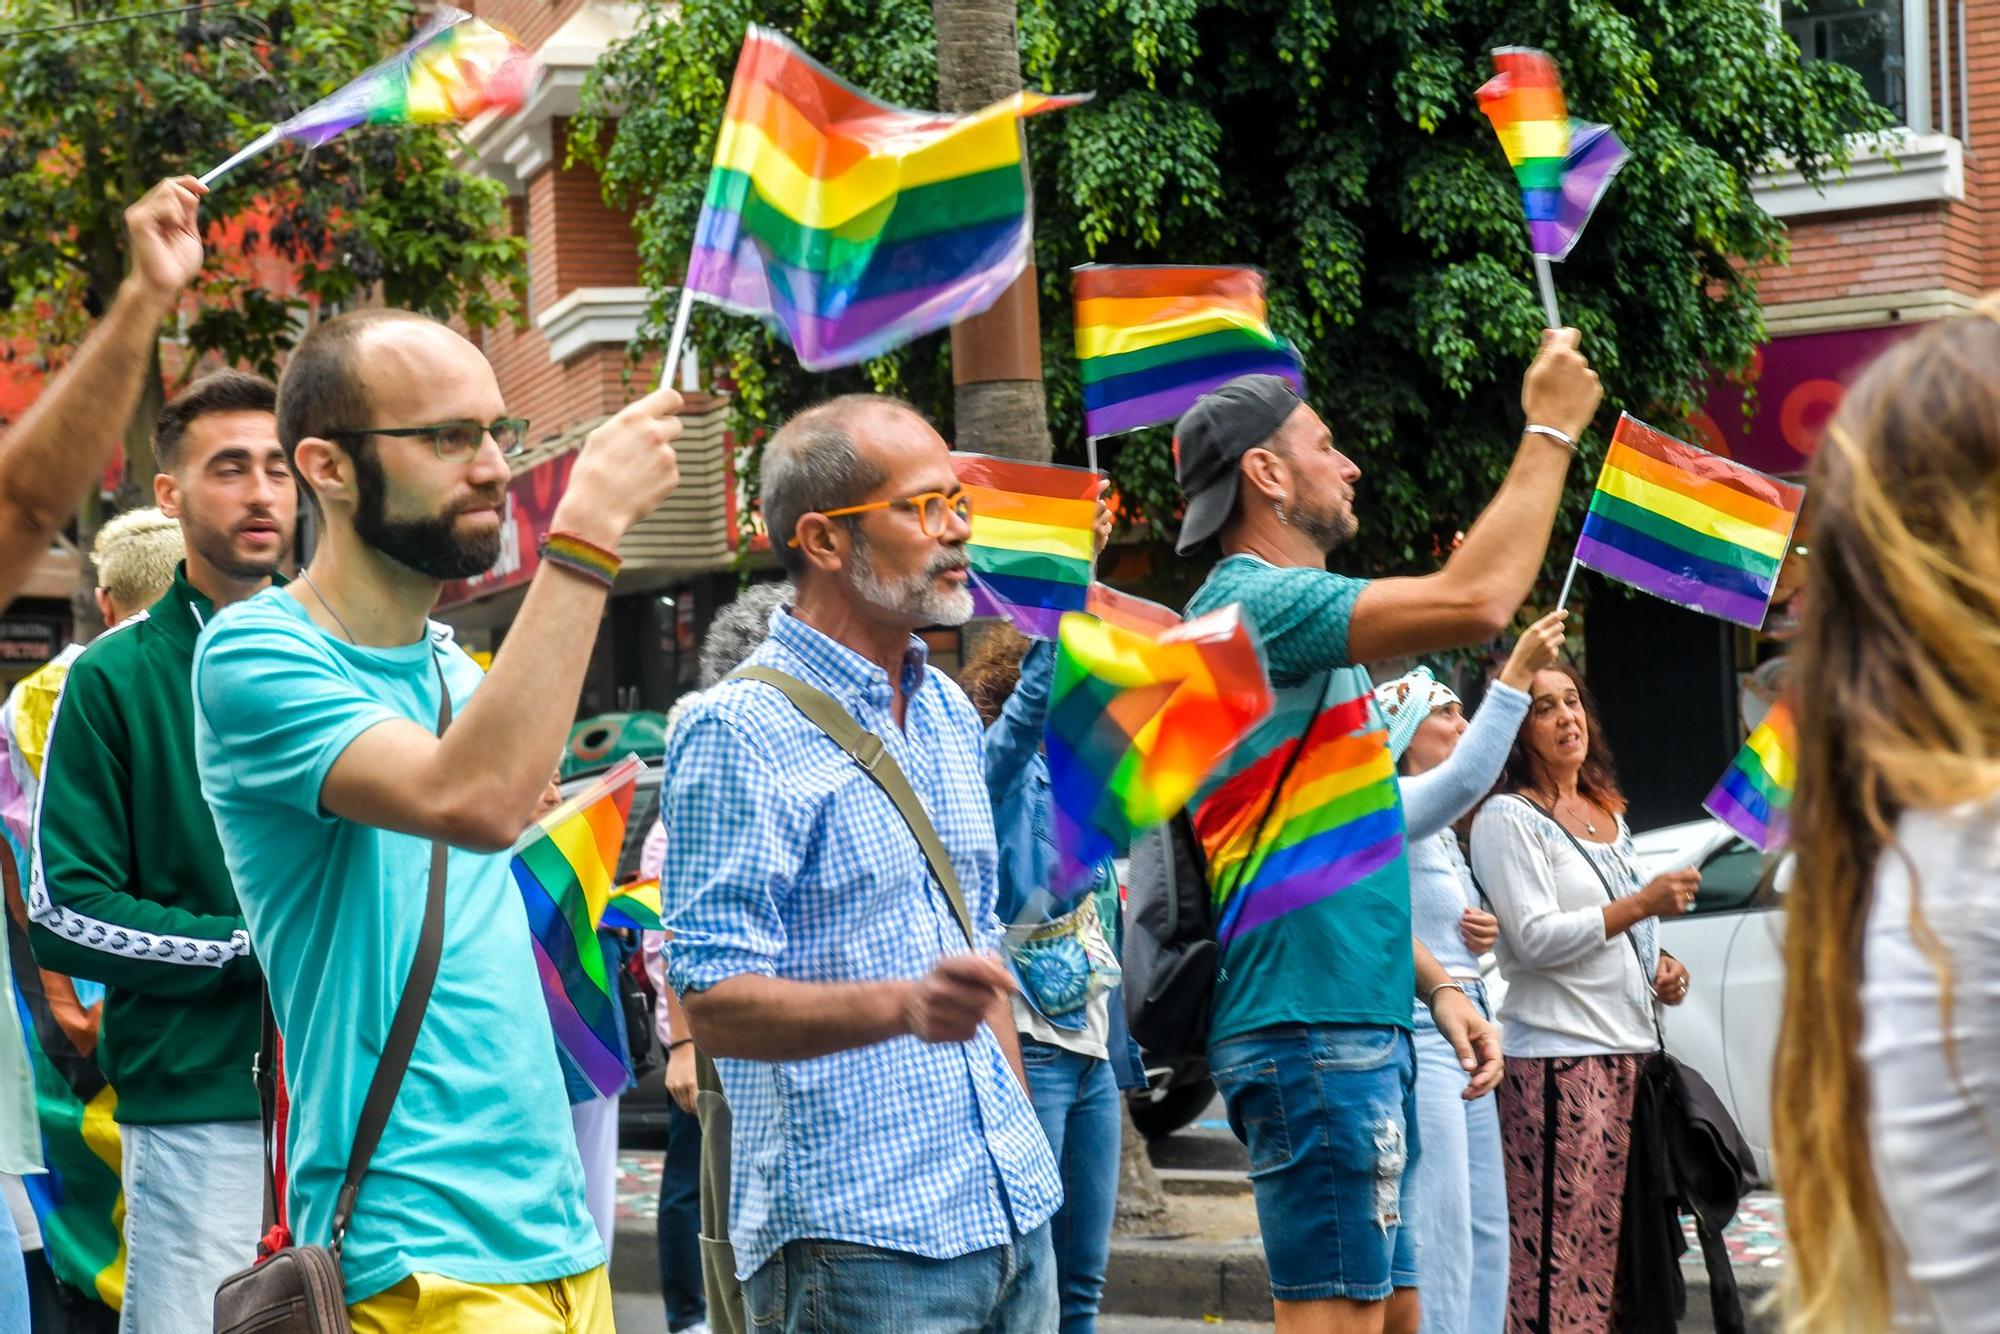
(1552, 855)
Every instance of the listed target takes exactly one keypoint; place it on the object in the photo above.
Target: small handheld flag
(1689, 526)
(1033, 539)
(852, 224)
(1754, 795)
(1137, 720)
(564, 865)
(455, 68)
(1563, 166)
(1151, 339)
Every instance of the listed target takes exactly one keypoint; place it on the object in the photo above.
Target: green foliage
(1337, 145)
(91, 117)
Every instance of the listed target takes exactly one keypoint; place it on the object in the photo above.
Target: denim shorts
(1328, 1113)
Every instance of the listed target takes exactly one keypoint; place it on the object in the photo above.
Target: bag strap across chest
(872, 754)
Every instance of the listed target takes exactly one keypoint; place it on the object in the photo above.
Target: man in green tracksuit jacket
(129, 886)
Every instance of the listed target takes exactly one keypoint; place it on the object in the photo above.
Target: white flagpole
(671, 366)
(1546, 280)
(1562, 598)
(256, 146)
(1090, 450)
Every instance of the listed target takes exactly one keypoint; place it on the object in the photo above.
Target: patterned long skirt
(1566, 1132)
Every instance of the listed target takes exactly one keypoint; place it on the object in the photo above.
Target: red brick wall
(1955, 245)
(573, 241)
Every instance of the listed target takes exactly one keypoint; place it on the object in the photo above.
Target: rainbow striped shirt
(1313, 897)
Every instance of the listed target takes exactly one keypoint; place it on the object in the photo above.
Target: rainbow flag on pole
(1032, 543)
(564, 866)
(1151, 339)
(454, 69)
(1137, 720)
(1754, 795)
(1689, 526)
(856, 225)
(1563, 166)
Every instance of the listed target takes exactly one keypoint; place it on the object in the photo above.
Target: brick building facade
(566, 367)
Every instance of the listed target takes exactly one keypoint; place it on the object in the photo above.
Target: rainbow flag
(564, 866)
(455, 68)
(1136, 720)
(79, 1202)
(1689, 526)
(1032, 543)
(1754, 795)
(852, 224)
(1563, 166)
(1129, 612)
(636, 906)
(1151, 339)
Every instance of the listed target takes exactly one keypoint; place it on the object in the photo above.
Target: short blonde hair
(136, 554)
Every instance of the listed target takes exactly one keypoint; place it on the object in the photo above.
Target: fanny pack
(1064, 963)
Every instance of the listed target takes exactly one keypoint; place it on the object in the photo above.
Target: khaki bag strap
(868, 751)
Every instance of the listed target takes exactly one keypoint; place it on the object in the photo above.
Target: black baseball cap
(1212, 436)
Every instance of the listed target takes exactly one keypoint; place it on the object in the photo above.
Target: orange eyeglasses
(933, 508)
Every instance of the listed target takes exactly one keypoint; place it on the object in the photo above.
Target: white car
(1732, 943)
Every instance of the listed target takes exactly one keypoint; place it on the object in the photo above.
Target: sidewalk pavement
(1208, 1263)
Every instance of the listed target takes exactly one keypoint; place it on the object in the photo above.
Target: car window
(1730, 879)
(645, 812)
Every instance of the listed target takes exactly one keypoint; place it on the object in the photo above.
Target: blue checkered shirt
(784, 859)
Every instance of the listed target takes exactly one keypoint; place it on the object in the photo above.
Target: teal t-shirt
(477, 1177)
(1312, 899)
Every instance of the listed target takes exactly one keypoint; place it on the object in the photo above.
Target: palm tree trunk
(996, 357)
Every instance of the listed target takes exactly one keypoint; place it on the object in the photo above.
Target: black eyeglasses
(454, 442)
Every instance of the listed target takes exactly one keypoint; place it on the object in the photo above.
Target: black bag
(1169, 951)
(298, 1289)
(1170, 954)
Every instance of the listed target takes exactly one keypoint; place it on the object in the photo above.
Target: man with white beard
(887, 1169)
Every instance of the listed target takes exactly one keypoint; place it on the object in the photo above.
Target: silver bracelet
(1563, 438)
(1430, 1000)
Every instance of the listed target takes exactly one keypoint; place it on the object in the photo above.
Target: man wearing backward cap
(1304, 831)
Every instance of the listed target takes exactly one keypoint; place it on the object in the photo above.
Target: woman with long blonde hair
(1888, 1075)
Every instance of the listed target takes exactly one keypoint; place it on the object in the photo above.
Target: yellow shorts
(432, 1304)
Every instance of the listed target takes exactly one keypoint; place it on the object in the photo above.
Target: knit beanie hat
(1407, 701)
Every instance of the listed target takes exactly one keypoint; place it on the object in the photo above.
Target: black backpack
(1169, 957)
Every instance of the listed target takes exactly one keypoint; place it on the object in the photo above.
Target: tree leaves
(89, 118)
(1338, 146)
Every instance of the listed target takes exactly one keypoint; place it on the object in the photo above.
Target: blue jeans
(194, 1208)
(833, 1287)
(1458, 1193)
(13, 1267)
(1328, 1114)
(680, 1220)
(1076, 1100)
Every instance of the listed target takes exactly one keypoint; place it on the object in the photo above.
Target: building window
(1867, 36)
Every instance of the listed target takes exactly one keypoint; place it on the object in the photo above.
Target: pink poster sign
(1800, 380)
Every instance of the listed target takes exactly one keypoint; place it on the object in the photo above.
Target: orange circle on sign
(1805, 412)
(1708, 435)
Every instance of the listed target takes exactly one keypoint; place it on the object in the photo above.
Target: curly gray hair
(739, 628)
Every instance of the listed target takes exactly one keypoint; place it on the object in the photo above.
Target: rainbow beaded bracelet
(580, 556)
